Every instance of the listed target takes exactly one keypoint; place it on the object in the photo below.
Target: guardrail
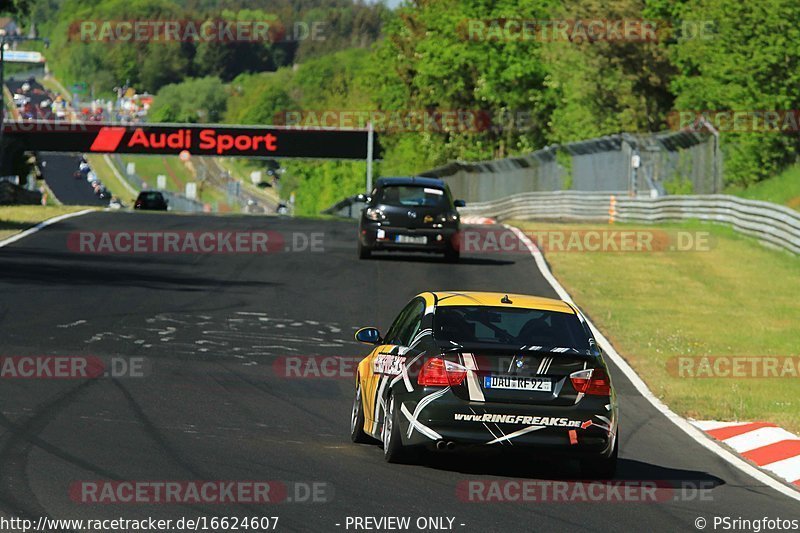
(177, 201)
(350, 207)
(770, 223)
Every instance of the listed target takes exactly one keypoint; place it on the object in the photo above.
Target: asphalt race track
(58, 169)
(211, 405)
(58, 172)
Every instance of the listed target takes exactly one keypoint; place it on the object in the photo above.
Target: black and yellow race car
(479, 369)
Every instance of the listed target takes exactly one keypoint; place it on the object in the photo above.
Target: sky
(390, 3)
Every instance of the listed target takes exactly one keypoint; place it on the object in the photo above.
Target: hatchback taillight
(593, 381)
(438, 372)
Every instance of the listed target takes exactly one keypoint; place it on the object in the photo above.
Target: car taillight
(593, 381)
(447, 217)
(373, 213)
(437, 372)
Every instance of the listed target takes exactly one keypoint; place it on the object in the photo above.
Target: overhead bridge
(196, 139)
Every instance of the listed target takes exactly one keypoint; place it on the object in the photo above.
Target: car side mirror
(369, 336)
(460, 203)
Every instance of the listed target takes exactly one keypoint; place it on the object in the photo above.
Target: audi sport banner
(208, 139)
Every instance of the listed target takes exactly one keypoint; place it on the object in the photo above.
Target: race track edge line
(43, 224)
(696, 434)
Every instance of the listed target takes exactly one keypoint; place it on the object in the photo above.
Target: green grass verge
(240, 168)
(16, 218)
(782, 189)
(178, 175)
(54, 86)
(110, 179)
(148, 167)
(736, 298)
(8, 101)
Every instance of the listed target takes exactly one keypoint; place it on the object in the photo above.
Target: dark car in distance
(151, 201)
(413, 214)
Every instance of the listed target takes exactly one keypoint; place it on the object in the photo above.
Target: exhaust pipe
(451, 445)
(441, 445)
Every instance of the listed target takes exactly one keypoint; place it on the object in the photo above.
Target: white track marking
(758, 438)
(787, 468)
(696, 434)
(41, 225)
(71, 324)
(119, 176)
(708, 425)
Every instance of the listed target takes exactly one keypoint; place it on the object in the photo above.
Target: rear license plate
(408, 239)
(518, 383)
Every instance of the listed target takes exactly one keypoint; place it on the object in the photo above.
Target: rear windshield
(150, 196)
(411, 195)
(509, 327)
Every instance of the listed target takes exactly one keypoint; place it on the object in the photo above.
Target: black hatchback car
(151, 200)
(412, 214)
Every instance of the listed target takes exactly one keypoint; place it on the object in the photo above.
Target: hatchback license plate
(408, 239)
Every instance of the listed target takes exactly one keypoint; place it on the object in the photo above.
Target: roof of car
(410, 180)
(493, 299)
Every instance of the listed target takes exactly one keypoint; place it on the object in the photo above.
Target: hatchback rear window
(412, 195)
(150, 196)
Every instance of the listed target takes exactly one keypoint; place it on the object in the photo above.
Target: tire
(452, 255)
(393, 449)
(364, 252)
(602, 467)
(357, 434)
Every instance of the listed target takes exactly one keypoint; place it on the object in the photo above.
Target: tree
(194, 100)
(608, 86)
(439, 56)
(749, 62)
(163, 64)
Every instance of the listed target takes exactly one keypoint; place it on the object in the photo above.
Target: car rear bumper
(585, 429)
(378, 237)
